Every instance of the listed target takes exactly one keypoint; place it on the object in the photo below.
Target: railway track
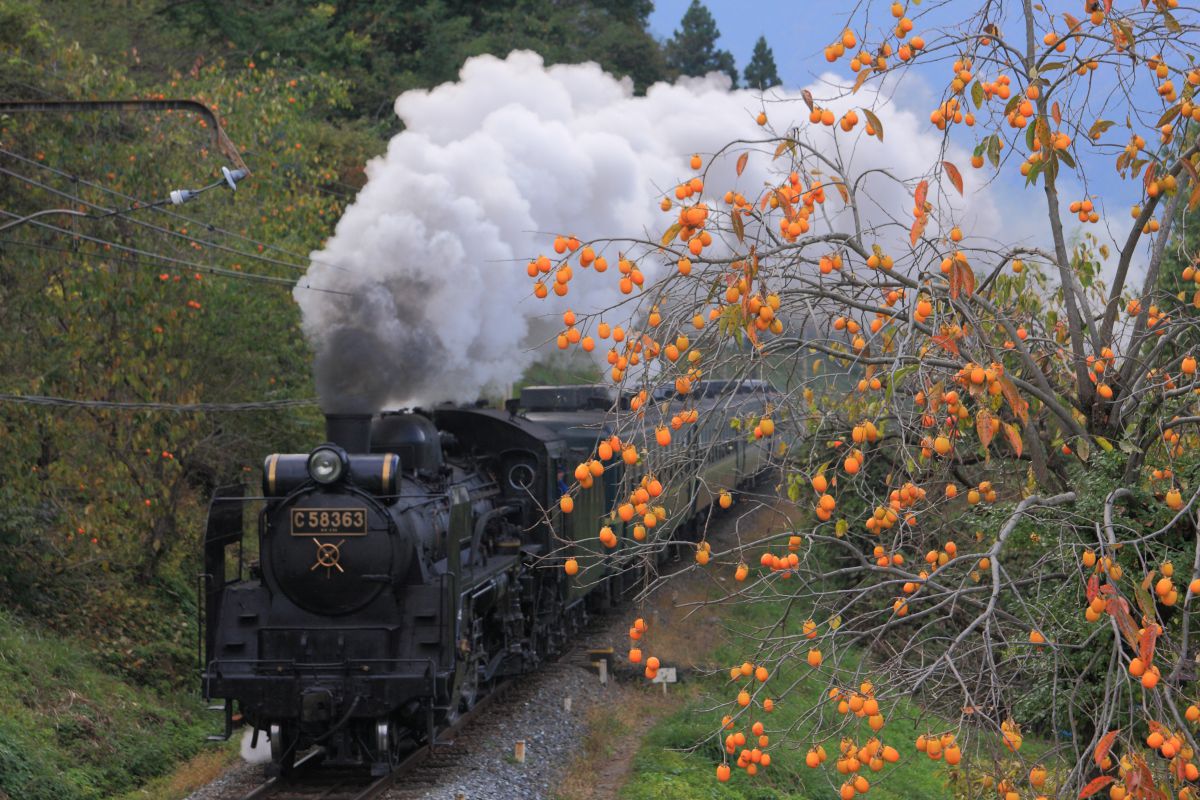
(434, 768)
(310, 782)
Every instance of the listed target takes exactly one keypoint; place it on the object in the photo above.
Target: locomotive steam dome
(413, 437)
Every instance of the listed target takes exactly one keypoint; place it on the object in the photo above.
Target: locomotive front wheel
(387, 747)
(283, 748)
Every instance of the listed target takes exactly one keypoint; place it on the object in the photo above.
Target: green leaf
(1144, 601)
(1032, 177)
(898, 376)
(977, 94)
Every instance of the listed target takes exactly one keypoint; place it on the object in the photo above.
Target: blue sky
(791, 28)
(798, 31)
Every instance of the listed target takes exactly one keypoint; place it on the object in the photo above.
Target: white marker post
(665, 675)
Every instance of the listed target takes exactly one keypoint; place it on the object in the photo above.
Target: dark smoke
(379, 354)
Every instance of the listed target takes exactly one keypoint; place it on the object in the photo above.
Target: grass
(199, 770)
(69, 730)
(677, 756)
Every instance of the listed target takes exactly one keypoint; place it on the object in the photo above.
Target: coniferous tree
(761, 73)
(692, 50)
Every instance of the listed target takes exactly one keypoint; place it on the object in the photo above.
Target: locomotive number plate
(329, 522)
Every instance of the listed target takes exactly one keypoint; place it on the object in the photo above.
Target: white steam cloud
(430, 258)
(260, 754)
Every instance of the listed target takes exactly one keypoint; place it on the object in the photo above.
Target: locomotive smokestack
(352, 432)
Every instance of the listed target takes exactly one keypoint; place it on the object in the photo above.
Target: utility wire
(174, 214)
(79, 253)
(262, 405)
(206, 268)
(107, 212)
(46, 212)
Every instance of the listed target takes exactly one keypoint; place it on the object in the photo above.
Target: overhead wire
(76, 251)
(270, 178)
(181, 217)
(139, 256)
(261, 405)
(107, 212)
(193, 265)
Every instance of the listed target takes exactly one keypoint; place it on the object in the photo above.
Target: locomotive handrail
(202, 581)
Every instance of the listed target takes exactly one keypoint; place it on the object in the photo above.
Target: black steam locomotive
(414, 559)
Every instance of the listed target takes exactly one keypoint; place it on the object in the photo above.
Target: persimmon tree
(988, 441)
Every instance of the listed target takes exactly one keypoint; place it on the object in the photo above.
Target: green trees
(692, 50)
(760, 72)
(382, 49)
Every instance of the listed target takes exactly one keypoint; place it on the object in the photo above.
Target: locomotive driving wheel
(390, 745)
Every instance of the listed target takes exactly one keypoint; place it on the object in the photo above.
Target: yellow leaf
(863, 74)
(671, 233)
(874, 122)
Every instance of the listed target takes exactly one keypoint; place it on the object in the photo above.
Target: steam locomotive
(415, 559)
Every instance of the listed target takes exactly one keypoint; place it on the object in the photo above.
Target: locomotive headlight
(326, 465)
